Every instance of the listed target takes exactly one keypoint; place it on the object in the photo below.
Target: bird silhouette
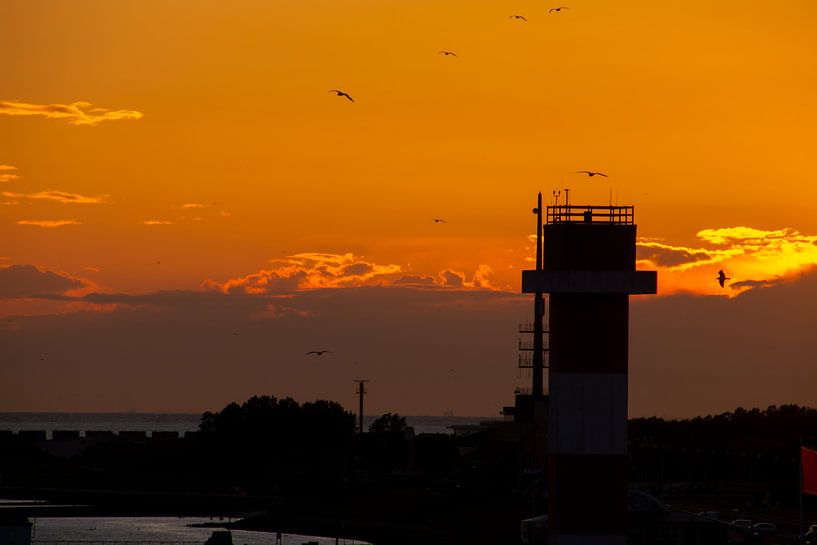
(341, 94)
(438, 220)
(722, 278)
(557, 10)
(517, 17)
(447, 53)
(591, 173)
(318, 352)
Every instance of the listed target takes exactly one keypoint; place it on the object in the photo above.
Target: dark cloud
(357, 269)
(669, 256)
(452, 278)
(176, 350)
(418, 280)
(30, 281)
(692, 355)
(765, 283)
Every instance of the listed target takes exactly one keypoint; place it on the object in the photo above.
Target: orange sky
(200, 135)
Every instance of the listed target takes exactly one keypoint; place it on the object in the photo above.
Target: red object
(808, 462)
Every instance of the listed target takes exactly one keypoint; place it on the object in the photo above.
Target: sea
(183, 422)
(163, 530)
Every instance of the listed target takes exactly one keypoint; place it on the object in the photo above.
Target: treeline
(750, 446)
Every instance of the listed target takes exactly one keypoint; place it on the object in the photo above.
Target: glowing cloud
(309, 271)
(189, 205)
(76, 113)
(155, 222)
(48, 223)
(58, 196)
(456, 279)
(752, 258)
(318, 270)
(5, 175)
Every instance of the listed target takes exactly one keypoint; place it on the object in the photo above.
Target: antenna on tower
(361, 391)
(556, 195)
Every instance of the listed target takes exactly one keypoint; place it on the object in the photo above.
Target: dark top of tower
(591, 250)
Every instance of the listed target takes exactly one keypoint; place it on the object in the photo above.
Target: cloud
(693, 355)
(76, 113)
(755, 283)
(666, 256)
(58, 196)
(31, 281)
(456, 279)
(155, 222)
(5, 175)
(310, 271)
(48, 223)
(179, 334)
(190, 205)
(751, 257)
(452, 278)
(416, 280)
(689, 355)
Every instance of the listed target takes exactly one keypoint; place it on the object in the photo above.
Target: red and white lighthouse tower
(589, 272)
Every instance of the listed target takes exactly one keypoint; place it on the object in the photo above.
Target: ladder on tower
(526, 346)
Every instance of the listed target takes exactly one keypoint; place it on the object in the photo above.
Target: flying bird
(591, 173)
(557, 10)
(447, 53)
(722, 278)
(517, 17)
(438, 220)
(318, 352)
(341, 94)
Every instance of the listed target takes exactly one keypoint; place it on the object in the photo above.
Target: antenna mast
(361, 391)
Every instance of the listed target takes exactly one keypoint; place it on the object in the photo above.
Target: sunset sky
(185, 208)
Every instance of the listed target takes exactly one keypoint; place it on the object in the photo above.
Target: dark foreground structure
(588, 270)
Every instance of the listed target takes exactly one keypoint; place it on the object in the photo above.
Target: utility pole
(538, 363)
(361, 390)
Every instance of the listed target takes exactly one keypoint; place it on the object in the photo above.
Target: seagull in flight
(341, 94)
(591, 173)
(517, 17)
(438, 220)
(447, 53)
(557, 10)
(318, 352)
(722, 278)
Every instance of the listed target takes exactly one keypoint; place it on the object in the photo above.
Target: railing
(525, 359)
(528, 346)
(616, 215)
(529, 328)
